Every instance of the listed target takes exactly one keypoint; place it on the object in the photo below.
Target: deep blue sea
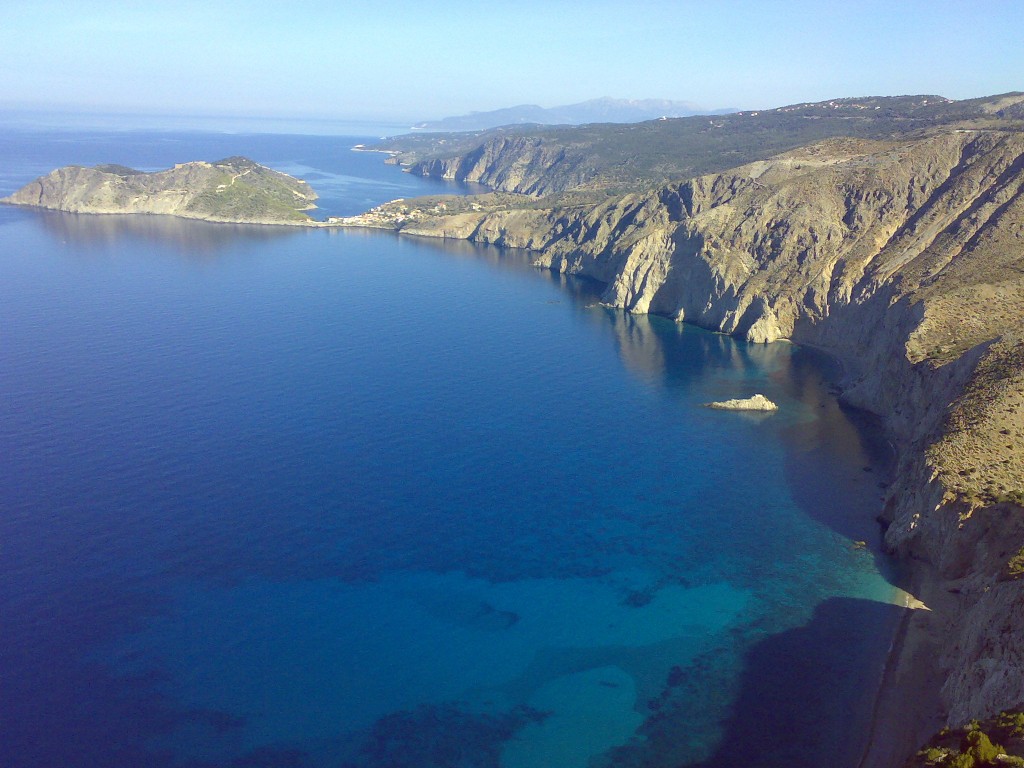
(272, 497)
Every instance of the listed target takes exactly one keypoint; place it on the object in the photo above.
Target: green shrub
(963, 760)
(977, 744)
(1013, 722)
(1015, 565)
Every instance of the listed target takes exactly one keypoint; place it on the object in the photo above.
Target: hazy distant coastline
(604, 110)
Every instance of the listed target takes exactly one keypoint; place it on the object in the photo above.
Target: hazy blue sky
(399, 59)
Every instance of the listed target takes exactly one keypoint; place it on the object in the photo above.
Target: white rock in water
(755, 403)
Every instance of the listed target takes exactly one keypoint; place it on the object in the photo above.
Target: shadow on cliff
(805, 699)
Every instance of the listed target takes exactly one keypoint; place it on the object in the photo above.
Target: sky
(408, 61)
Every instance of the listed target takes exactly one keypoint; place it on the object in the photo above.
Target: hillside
(614, 159)
(232, 190)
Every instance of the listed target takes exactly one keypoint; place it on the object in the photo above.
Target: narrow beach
(907, 709)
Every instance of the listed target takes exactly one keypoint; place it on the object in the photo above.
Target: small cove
(340, 497)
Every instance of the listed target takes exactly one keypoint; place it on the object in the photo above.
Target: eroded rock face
(516, 164)
(905, 259)
(232, 190)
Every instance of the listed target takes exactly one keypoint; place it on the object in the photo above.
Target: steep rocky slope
(599, 158)
(903, 258)
(232, 190)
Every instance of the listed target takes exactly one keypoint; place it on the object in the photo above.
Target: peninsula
(232, 190)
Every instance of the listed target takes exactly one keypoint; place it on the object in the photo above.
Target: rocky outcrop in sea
(754, 403)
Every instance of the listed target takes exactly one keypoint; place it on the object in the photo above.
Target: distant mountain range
(594, 111)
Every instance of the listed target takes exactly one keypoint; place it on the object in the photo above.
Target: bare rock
(755, 403)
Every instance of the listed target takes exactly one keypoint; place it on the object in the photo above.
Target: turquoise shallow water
(310, 498)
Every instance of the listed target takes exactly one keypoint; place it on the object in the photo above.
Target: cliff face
(904, 259)
(522, 164)
(232, 190)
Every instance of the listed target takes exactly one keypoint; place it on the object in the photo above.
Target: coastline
(907, 710)
(904, 712)
(364, 148)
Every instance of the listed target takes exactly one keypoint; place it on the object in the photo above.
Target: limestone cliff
(232, 190)
(521, 164)
(903, 258)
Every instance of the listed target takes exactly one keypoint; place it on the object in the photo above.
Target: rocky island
(754, 403)
(232, 190)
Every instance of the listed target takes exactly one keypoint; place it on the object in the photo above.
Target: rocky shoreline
(903, 259)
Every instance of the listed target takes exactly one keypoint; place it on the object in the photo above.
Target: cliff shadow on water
(583, 290)
(674, 355)
(837, 458)
(801, 690)
(658, 350)
(839, 463)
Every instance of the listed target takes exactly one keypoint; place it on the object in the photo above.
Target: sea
(273, 497)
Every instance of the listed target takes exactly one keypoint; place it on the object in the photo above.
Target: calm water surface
(318, 498)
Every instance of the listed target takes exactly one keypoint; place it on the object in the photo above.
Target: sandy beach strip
(908, 709)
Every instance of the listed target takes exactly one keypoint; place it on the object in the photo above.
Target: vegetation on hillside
(246, 191)
(621, 158)
(997, 741)
(117, 169)
(234, 190)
